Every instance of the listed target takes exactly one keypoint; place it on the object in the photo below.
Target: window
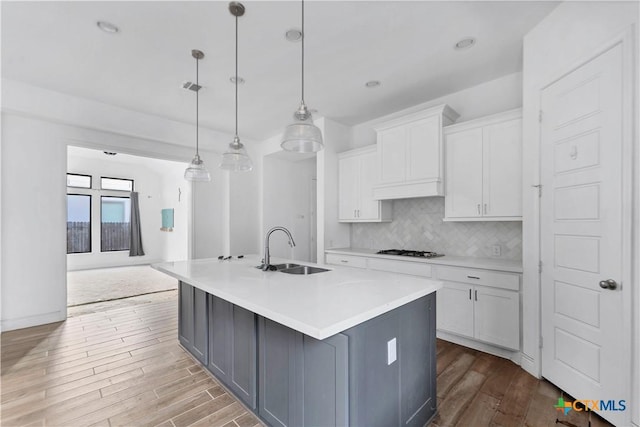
(115, 223)
(117, 184)
(78, 181)
(78, 223)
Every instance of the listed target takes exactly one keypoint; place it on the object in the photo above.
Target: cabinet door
(455, 308)
(278, 368)
(368, 208)
(391, 155)
(497, 316)
(219, 338)
(243, 355)
(424, 149)
(326, 381)
(463, 196)
(348, 187)
(502, 174)
(185, 315)
(200, 326)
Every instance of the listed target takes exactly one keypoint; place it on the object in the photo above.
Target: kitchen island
(341, 347)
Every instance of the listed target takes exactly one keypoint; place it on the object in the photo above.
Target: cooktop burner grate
(411, 253)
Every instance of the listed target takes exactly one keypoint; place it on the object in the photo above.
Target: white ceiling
(406, 45)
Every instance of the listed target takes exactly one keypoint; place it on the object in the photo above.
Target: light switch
(391, 351)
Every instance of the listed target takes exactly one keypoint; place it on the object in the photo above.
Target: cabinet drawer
(495, 279)
(348, 260)
(404, 267)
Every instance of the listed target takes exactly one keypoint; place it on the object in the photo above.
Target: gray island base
(380, 372)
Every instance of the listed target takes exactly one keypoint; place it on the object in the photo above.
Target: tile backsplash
(417, 224)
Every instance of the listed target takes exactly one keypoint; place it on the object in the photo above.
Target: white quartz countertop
(319, 305)
(456, 261)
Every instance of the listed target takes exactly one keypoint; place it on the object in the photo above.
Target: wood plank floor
(121, 365)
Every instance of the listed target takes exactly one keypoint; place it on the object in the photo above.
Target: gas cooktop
(404, 252)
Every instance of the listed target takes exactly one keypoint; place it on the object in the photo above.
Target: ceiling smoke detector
(191, 86)
(465, 43)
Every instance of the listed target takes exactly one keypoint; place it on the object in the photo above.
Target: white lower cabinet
(486, 313)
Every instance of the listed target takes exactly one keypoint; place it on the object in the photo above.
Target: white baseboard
(514, 356)
(34, 320)
(113, 264)
(529, 365)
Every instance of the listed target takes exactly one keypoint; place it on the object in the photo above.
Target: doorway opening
(111, 197)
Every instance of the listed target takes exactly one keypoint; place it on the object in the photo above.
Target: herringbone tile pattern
(417, 224)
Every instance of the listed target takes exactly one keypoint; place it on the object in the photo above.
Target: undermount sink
(303, 269)
(285, 266)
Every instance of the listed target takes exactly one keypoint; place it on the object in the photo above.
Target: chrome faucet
(266, 262)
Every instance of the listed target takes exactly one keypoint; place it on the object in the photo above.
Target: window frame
(81, 174)
(102, 196)
(90, 220)
(118, 179)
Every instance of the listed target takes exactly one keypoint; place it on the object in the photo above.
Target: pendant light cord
(236, 75)
(302, 51)
(197, 104)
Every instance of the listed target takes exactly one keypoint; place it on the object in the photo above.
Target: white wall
(495, 96)
(287, 202)
(331, 233)
(157, 183)
(244, 208)
(38, 125)
(569, 34)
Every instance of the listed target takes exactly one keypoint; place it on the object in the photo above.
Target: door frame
(630, 200)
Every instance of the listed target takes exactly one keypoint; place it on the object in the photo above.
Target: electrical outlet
(496, 250)
(392, 353)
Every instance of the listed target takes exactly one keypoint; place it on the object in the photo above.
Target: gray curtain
(135, 244)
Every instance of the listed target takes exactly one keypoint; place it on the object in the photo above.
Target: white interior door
(585, 351)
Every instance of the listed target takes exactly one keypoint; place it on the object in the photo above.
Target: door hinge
(541, 344)
(539, 266)
(539, 187)
(540, 116)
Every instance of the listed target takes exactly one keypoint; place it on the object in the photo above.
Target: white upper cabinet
(484, 169)
(410, 154)
(357, 173)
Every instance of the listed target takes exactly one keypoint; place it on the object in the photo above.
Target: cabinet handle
(469, 294)
(355, 215)
(478, 208)
(476, 291)
(358, 213)
(473, 277)
(485, 208)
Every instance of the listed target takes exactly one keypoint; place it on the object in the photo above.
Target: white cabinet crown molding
(504, 116)
(449, 116)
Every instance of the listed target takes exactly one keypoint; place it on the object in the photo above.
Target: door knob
(608, 284)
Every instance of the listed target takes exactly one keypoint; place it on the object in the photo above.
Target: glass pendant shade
(236, 158)
(302, 136)
(196, 171)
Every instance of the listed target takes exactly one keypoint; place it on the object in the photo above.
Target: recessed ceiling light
(465, 43)
(107, 27)
(372, 83)
(293, 35)
(232, 79)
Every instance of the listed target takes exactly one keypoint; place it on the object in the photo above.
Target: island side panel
(402, 393)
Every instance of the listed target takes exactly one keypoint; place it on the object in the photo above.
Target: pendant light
(196, 170)
(302, 135)
(236, 158)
